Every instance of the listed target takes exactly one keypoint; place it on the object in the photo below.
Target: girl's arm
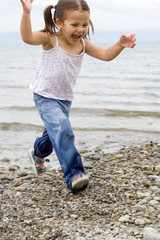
(33, 38)
(113, 51)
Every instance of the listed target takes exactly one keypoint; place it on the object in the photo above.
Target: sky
(107, 15)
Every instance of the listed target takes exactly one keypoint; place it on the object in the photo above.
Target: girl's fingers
(26, 1)
(23, 2)
(124, 35)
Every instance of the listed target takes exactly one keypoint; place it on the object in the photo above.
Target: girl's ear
(59, 23)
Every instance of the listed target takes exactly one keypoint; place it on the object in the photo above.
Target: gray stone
(153, 203)
(139, 208)
(88, 165)
(108, 176)
(150, 233)
(124, 218)
(139, 221)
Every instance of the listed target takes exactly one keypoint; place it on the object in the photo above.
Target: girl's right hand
(27, 5)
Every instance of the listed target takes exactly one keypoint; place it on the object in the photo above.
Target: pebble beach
(122, 200)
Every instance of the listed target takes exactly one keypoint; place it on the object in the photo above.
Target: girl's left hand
(127, 41)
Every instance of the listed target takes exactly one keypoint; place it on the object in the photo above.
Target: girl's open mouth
(76, 37)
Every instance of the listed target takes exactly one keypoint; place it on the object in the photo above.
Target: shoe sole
(30, 155)
(80, 183)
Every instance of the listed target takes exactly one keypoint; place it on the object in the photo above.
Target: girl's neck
(74, 49)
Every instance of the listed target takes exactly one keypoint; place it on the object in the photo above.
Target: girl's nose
(80, 30)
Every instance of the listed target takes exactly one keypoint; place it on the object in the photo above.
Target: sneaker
(37, 163)
(79, 181)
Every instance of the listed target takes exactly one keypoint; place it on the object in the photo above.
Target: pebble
(139, 208)
(124, 218)
(153, 203)
(5, 160)
(95, 157)
(87, 155)
(157, 168)
(108, 176)
(139, 221)
(122, 201)
(88, 165)
(149, 233)
(22, 174)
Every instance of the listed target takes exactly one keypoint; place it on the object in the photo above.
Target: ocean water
(116, 103)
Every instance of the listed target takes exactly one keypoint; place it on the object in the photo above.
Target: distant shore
(143, 36)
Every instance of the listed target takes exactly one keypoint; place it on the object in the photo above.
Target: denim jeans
(58, 134)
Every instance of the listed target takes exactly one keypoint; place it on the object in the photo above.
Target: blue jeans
(59, 135)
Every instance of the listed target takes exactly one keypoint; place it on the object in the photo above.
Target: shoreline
(122, 200)
(15, 144)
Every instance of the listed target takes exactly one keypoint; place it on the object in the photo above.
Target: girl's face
(75, 26)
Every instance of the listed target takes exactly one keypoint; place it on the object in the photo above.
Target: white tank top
(56, 73)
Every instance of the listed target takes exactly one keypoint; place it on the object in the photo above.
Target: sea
(116, 103)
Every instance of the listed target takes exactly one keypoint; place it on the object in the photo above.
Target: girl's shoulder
(50, 41)
(88, 44)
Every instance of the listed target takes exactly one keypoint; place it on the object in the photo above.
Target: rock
(157, 168)
(154, 188)
(153, 177)
(151, 209)
(108, 176)
(105, 152)
(139, 221)
(5, 160)
(150, 233)
(95, 157)
(6, 177)
(145, 182)
(143, 194)
(158, 181)
(22, 174)
(118, 156)
(74, 216)
(18, 194)
(22, 187)
(139, 208)
(14, 168)
(88, 165)
(87, 155)
(124, 219)
(28, 222)
(153, 203)
(6, 173)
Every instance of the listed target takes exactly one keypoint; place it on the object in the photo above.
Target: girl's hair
(61, 9)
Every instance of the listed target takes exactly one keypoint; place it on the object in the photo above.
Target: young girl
(64, 42)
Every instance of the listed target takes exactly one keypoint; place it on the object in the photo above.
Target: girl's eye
(74, 25)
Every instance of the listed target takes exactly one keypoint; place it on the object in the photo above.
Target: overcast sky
(106, 15)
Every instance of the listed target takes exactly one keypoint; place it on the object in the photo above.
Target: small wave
(115, 113)
(15, 126)
(92, 111)
(18, 108)
(93, 76)
(13, 86)
(115, 130)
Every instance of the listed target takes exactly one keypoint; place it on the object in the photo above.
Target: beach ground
(122, 200)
